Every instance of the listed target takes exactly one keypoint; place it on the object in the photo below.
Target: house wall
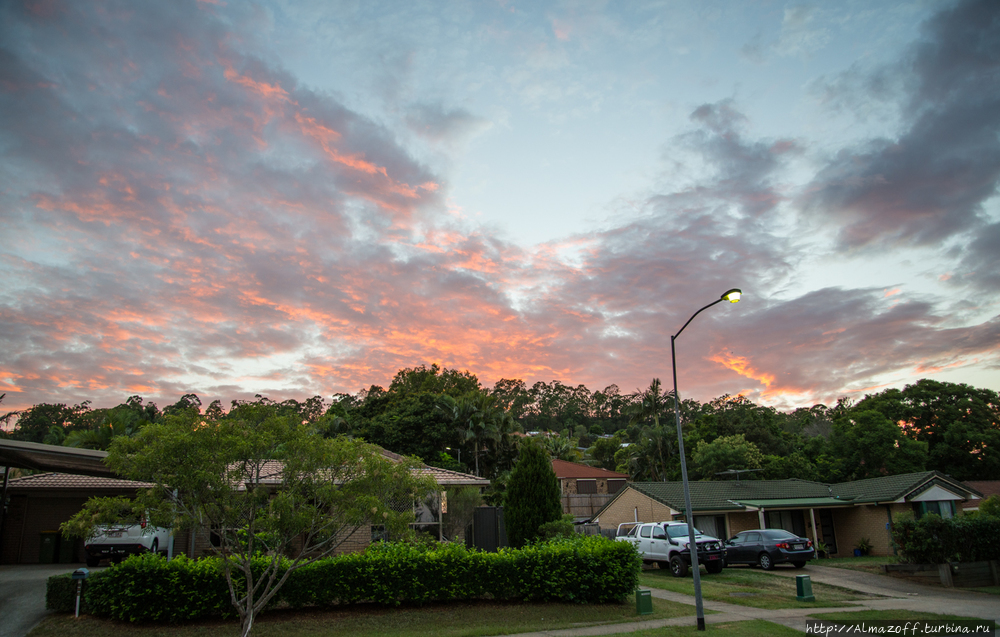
(741, 521)
(631, 503)
(568, 486)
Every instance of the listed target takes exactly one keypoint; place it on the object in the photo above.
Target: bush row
(936, 540)
(580, 569)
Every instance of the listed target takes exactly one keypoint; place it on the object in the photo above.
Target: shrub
(935, 540)
(583, 569)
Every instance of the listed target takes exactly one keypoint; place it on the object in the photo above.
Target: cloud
(929, 183)
(443, 125)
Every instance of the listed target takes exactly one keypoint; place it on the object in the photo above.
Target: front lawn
(867, 564)
(750, 628)
(446, 620)
(747, 587)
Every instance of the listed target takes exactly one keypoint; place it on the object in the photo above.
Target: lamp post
(732, 296)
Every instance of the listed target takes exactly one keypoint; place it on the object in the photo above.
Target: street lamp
(732, 296)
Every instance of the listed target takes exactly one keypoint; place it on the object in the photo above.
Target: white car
(115, 543)
(666, 543)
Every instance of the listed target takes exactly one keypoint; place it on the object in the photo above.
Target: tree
(871, 446)
(725, 452)
(533, 496)
(277, 494)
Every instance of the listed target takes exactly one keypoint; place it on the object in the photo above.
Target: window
(944, 508)
(586, 486)
(644, 531)
(616, 485)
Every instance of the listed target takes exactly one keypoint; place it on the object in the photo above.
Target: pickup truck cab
(117, 542)
(667, 543)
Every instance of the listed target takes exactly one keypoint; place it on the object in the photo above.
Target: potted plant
(822, 550)
(863, 546)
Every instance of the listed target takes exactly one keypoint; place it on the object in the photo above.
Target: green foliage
(575, 569)
(533, 496)
(871, 446)
(990, 506)
(723, 453)
(60, 593)
(935, 540)
(462, 503)
(268, 485)
(558, 528)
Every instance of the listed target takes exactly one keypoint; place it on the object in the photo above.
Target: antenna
(729, 472)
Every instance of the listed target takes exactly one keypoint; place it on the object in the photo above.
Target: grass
(889, 615)
(992, 590)
(752, 588)
(750, 628)
(867, 564)
(446, 620)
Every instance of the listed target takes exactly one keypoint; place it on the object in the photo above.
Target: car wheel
(93, 561)
(714, 567)
(765, 562)
(678, 567)
(799, 564)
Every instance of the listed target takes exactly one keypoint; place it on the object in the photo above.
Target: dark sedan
(768, 547)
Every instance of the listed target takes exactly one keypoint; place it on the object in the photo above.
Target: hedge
(936, 540)
(582, 569)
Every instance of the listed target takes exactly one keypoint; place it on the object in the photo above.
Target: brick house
(586, 489)
(839, 515)
(40, 503)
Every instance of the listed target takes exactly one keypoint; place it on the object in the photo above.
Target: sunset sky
(296, 198)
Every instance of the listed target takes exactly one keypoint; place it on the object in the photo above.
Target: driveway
(22, 595)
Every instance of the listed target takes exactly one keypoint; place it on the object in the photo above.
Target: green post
(804, 589)
(643, 602)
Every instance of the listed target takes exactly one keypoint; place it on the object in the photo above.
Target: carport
(41, 457)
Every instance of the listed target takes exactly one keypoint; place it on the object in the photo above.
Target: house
(586, 489)
(839, 515)
(38, 504)
(985, 487)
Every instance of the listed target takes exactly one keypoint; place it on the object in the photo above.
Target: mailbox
(80, 573)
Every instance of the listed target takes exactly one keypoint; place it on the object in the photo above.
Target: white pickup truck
(118, 542)
(667, 543)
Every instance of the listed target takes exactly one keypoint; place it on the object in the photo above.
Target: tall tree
(268, 485)
(532, 497)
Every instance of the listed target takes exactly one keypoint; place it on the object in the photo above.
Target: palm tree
(657, 447)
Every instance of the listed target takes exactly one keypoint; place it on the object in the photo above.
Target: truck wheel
(678, 567)
(714, 567)
(765, 562)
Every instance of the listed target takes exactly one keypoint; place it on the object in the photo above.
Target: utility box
(804, 589)
(643, 602)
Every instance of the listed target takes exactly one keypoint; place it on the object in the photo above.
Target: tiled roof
(70, 481)
(719, 495)
(892, 488)
(566, 469)
(728, 495)
(271, 472)
(985, 487)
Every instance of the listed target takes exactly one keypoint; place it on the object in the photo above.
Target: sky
(301, 198)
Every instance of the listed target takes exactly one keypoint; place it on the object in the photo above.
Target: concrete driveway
(22, 595)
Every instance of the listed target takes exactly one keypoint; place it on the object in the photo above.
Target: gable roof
(566, 469)
(729, 495)
(899, 487)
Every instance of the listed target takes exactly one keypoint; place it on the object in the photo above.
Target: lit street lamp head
(733, 296)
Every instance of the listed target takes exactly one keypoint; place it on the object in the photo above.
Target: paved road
(22, 595)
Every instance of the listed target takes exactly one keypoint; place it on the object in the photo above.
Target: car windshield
(779, 535)
(680, 530)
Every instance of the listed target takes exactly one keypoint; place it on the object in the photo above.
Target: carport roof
(34, 455)
(796, 503)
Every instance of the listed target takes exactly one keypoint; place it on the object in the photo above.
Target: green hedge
(581, 569)
(935, 540)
